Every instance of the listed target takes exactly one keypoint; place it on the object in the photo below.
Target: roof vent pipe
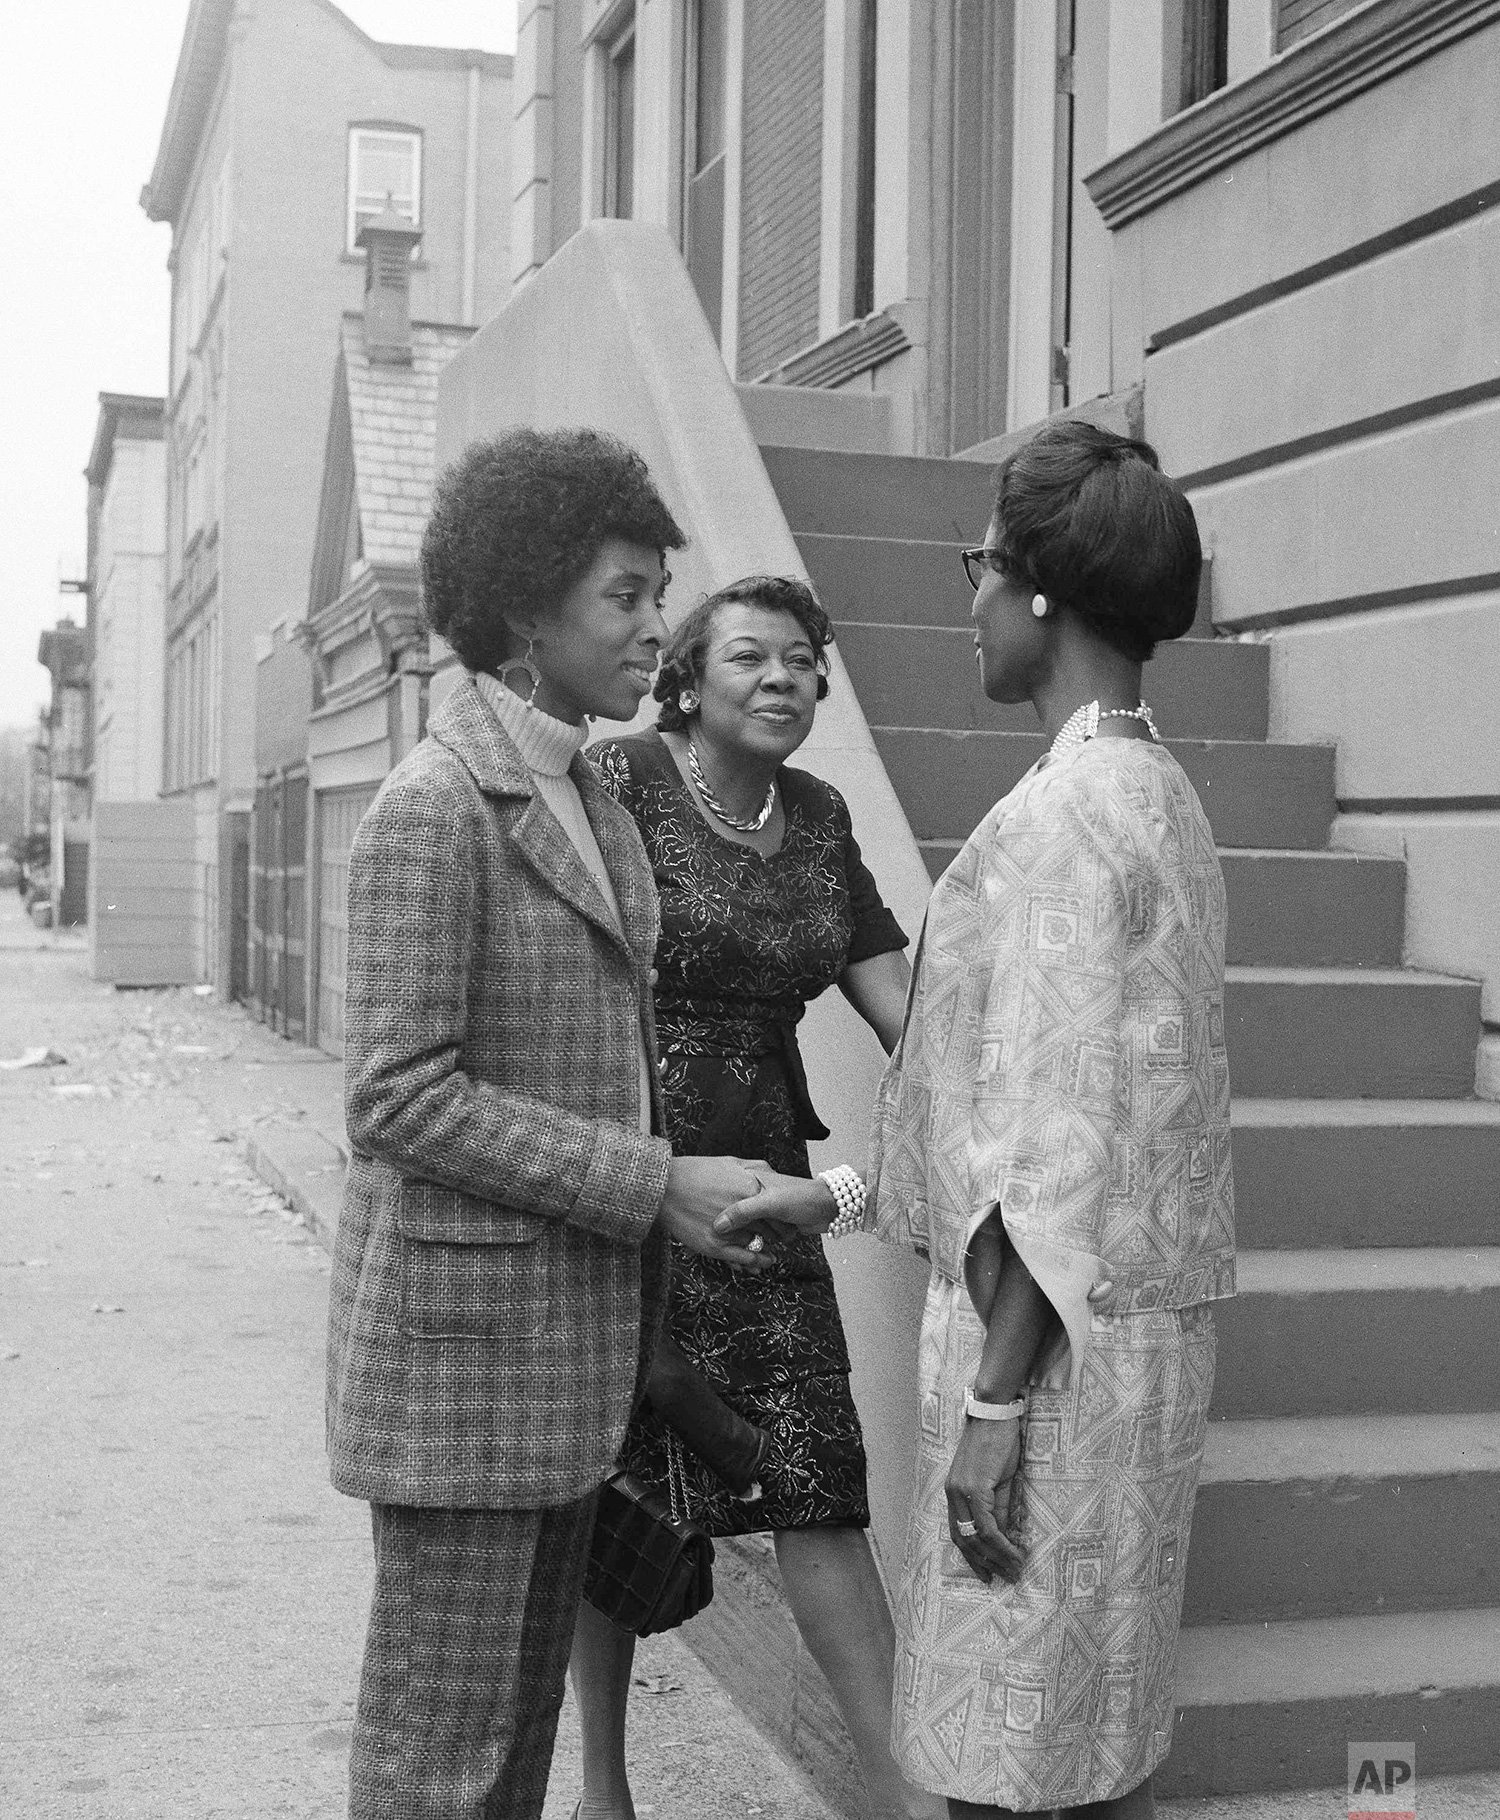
(388, 239)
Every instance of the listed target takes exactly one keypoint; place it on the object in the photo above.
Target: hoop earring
(524, 663)
(688, 701)
(1039, 605)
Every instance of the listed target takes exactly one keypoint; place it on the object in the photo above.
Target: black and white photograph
(750, 910)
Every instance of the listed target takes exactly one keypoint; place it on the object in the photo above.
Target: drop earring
(1039, 605)
(688, 701)
(524, 663)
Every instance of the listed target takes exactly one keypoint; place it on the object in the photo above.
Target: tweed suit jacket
(499, 1274)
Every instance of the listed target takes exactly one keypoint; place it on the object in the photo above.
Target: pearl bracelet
(847, 1187)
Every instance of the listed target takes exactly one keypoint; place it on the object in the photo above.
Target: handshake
(735, 1211)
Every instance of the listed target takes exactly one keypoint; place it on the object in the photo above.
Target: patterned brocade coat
(499, 1275)
(1063, 1059)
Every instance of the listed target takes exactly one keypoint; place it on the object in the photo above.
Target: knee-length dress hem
(747, 941)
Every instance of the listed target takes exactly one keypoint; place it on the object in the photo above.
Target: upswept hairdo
(682, 661)
(1089, 519)
(519, 519)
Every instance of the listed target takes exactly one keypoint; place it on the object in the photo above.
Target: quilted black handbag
(651, 1566)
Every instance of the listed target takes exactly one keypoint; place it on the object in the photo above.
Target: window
(221, 210)
(864, 169)
(711, 39)
(193, 705)
(1195, 61)
(193, 486)
(703, 216)
(385, 167)
(619, 129)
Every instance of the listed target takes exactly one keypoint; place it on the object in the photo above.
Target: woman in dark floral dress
(765, 904)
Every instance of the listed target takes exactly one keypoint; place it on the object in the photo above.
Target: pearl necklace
(1083, 723)
(745, 824)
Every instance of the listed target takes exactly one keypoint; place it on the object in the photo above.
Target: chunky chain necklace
(746, 824)
(1083, 723)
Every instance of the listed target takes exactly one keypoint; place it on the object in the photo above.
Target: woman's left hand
(978, 1489)
(785, 1203)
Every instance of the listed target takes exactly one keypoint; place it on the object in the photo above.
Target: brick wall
(783, 149)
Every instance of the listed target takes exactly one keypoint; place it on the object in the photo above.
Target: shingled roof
(378, 464)
(393, 427)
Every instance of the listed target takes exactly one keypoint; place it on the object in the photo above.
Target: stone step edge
(1251, 974)
(1295, 1659)
(1372, 1270)
(1287, 1450)
(1264, 1113)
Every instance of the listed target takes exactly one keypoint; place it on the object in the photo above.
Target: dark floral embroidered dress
(746, 942)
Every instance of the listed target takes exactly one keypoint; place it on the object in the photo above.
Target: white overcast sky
(83, 91)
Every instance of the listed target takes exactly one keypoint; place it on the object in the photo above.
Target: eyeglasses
(977, 561)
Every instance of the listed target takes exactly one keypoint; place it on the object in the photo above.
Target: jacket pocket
(472, 1292)
(428, 1211)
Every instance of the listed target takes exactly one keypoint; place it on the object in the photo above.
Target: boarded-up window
(1297, 18)
(781, 195)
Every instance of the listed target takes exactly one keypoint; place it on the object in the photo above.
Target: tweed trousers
(465, 1660)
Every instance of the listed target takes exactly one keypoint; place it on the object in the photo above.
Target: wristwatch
(993, 1412)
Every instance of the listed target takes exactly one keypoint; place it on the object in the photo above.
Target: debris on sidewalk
(656, 1684)
(109, 1308)
(41, 1057)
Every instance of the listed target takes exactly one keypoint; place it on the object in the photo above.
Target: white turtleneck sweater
(548, 746)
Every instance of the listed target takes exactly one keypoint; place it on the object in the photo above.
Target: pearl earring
(1039, 605)
(688, 701)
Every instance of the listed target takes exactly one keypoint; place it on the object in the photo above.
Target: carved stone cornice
(853, 350)
(1316, 75)
(382, 605)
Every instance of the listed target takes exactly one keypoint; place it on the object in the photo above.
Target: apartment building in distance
(126, 526)
(286, 129)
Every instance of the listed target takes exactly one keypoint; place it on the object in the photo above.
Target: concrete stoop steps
(1274, 1706)
(1343, 1579)
(1334, 1502)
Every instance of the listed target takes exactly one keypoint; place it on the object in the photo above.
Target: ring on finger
(965, 1528)
(757, 1243)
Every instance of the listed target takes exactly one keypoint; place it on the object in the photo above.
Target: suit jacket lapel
(543, 843)
(624, 859)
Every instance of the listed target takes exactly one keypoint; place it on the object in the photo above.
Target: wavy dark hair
(1089, 519)
(519, 519)
(682, 661)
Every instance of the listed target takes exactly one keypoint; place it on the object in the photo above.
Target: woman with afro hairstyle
(500, 1269)
(766, 903)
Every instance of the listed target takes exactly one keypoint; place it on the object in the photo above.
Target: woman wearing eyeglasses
(1053, 1132)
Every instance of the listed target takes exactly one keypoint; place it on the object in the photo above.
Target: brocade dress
(1063, 1059)
(746, 942)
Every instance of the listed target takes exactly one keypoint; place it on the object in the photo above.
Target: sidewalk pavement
(184, 1595)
